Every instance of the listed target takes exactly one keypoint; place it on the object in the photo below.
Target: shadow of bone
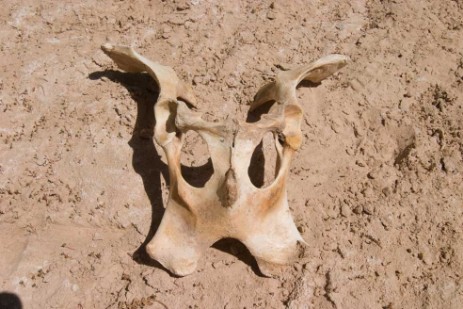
(145, 160)
(10, 300)
(238, 249)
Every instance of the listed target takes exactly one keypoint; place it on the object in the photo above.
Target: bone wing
(283, 92)
(170, 87)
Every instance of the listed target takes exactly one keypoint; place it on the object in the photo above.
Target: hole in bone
(307, 84)
(196, 163)
(255, 115)
(263, 168)
(170, 123)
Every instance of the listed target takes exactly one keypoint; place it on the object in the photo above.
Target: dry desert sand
(376, 189)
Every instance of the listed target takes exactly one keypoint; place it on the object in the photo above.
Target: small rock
(178, 19)
(426, 257)
(405, 104)
(345, 210)
(387, 191)
(358, 210)
(356, 85)
(183, 5)
(197, 80)
(232, 82)
(188, 24)
(97, 236)
(372, 175)
(247, 37)
(449, 164)
(166, 32)
(387, 221)
(271, 15)
(101, 59)
(368, 209)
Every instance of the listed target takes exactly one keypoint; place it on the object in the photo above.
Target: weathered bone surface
(228, 205)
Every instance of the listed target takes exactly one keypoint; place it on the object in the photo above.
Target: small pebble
(271, 15)
(232, 82)
(368, 209)
(356, 85)
(371, 175)
(197, 80)
(183, 5)
(345, 210)
(358, 210)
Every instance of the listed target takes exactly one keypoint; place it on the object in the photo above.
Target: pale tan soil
(377, 188)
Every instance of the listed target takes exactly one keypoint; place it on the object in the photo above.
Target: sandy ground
(377, 188)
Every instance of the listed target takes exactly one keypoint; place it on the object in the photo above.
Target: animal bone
(228, 205)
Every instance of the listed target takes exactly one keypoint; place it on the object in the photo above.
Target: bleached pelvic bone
(229, 205)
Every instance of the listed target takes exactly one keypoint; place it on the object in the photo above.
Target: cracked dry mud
(375, 190)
